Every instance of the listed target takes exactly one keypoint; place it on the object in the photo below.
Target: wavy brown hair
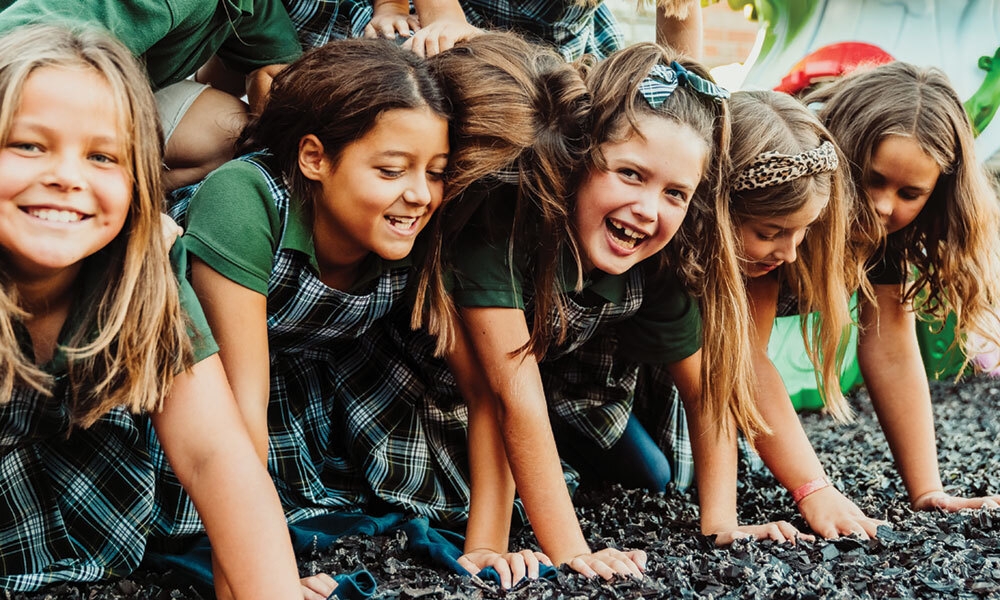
(952, 242)
(704, 252)
(766, 121)
(520, 110)
(132, 338)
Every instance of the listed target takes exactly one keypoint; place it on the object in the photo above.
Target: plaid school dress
(314, 337)
(417, 456)
(574, 28)
(74, 508)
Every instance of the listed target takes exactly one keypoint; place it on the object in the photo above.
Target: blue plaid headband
(663, 80)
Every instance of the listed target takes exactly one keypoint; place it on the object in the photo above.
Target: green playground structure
(787, 350)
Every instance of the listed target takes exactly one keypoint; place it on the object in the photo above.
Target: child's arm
(715, 465)
(682, 32)
(238, 319)
(207, 446)
(442, 25)
(391, 18)
(889, 357)
(787, 451)
(491, 484)
(531, 449)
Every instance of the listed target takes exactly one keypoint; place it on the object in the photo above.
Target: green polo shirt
(176, 37)
(666, 329)
(234, 225)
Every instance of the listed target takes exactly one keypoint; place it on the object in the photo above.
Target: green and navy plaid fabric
(320, 21)
(74, 508)
(318, 364)
(574, 29)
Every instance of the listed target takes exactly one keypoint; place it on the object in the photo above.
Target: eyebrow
(405, 154)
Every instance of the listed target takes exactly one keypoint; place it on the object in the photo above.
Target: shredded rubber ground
(923, 555)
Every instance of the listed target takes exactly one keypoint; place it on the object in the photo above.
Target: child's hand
(779, 531)
(317, 587)
(440, 36)
(610, 562)
(512, 566)
(830, 514)
(169, 230)
(390, 19)
(948, 503)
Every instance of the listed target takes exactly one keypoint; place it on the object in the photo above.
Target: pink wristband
(809, 487)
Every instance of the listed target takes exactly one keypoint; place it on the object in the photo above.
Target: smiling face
(628, 211)
(382, 190)
(769, 242)
(901, 179)
(64, 193)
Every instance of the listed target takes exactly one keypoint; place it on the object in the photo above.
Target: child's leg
(200, 125)
(635, 461)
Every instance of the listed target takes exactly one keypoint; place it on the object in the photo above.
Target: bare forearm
(894, 375)
(787, 451)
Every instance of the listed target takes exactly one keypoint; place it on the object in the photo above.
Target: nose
(645, 205)
(883, 203)
(787, 250)
(419, 192)
(64, 173)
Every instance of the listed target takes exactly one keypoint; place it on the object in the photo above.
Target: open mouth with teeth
(624, 235)
(402, 223)
(56, 215)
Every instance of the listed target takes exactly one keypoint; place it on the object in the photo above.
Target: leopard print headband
(772, 168)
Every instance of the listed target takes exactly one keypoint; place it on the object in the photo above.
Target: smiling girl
(793, 209)
(98, 340)
(563, 299)
(305, 241)
(911, 151)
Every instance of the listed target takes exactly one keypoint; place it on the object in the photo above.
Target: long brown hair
(132, 339)
(766, 121)
(520, 110)
(952, 242)
(704, 252)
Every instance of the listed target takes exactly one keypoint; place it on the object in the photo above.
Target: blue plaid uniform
(320, 358)
(74, 508)
(573, 28)
(78, 505)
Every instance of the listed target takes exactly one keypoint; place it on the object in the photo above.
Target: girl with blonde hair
(98, 340)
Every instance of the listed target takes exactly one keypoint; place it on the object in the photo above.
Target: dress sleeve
(201, 334)
(267, 37)
(234, 226)
(487, 273)
(667, 327)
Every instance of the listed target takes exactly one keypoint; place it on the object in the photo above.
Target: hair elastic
(663, 80)
(773, 168)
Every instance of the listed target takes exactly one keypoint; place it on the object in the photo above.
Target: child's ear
(312, 158)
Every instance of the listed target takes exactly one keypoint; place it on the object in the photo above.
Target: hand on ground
(317, 587)
(512, 566)
(610, 562)
(948, 503)
(831, 514)
(779, 531)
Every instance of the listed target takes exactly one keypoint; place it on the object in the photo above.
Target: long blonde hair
(132, 339)
(952, 242)
(766, 121)
(704, 252)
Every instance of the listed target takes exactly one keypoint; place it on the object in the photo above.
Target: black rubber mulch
(923, 555)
